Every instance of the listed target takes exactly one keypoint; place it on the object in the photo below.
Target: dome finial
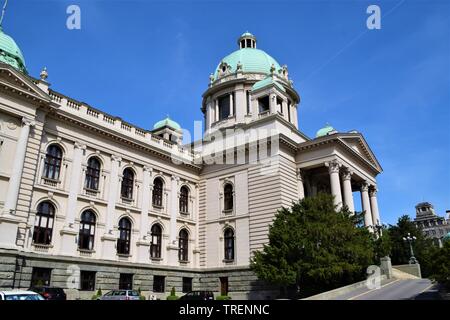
(3, 13)
(44, 74)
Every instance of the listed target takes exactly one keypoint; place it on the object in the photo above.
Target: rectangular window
(248, 102)
(159, 283)
(40, 277)
(187, 284)
(264, 104)
(126, 281)
(224, 107)
(87, 280)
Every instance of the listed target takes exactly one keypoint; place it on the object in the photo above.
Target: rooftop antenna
(3, 13)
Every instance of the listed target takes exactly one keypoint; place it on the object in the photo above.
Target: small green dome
(167, 122)
(446, 237)
(10, 53)
(251, 59)
(324, 131)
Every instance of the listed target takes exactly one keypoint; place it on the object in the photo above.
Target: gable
(18, 84)
(357, 143)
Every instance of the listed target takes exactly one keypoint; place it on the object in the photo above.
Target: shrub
(173, 295)
(97, 295)
(223, 297)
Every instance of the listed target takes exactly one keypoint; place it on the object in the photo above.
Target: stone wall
(16, 271)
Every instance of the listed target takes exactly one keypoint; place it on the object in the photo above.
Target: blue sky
(142, 60)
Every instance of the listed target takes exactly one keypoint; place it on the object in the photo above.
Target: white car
(20, 295)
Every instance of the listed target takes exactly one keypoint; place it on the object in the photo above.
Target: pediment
(358, 144)
(19, 84)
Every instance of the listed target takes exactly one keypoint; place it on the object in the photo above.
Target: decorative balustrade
(92, 113)
(43, 248)
(73, 105)
(132, 131)
(55, 97)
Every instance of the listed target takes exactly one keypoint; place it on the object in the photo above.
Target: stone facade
(432, 225)
(83, 191)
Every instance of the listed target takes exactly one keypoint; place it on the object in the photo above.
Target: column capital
(365, 186)
(333, 166)
(175, 178)
(79, 145)
(346, 174)
(148, 169)
(28, 122)
(115, 157)
(373, 191)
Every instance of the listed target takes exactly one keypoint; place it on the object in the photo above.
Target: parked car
(20, 295)
(121, 295)
(198, 295)
(50, 293)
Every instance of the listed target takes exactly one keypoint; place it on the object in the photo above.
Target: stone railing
(121, 127)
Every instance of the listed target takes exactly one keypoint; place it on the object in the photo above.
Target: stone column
(216, 110)
(374, 206)
(17, 169)
(69, 231)
(333, 169)
(300, 187)
(347, 186)
(109, 238)
(231, 105)
(173, 211)
(366, 205)
(273, 103)
(144, 244)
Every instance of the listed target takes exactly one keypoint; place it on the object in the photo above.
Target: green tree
(423, 247)
(314, 248)
(440, 269)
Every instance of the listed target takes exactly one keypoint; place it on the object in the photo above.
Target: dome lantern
(247, 40)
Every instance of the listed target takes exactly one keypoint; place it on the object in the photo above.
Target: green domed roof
(167, 122)
(324, 131)
(251, 59)
(10, 53)
(447, 237)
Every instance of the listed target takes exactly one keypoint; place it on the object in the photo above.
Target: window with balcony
(157, 194)
(155, 247)
(86, 235)
(127, 184)
(92, 174)
(43, 225)
(184, 199)
(123, 242)
(52, 163)
(183, 246)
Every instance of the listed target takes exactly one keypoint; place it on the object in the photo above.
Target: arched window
(87, 230)
(43, 226)
(183, 245)
(155, 247)
(157, 195)
(92, 174)
(229, 244)
(52, 164)
(123, 243)
(184, 199)
(228, 197)
(127, 184)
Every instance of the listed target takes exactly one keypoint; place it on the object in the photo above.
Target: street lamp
(410, 239)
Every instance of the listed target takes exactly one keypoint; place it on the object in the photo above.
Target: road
(411, 289)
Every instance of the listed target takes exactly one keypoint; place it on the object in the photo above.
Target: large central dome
(10, 52)
(250, 58)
